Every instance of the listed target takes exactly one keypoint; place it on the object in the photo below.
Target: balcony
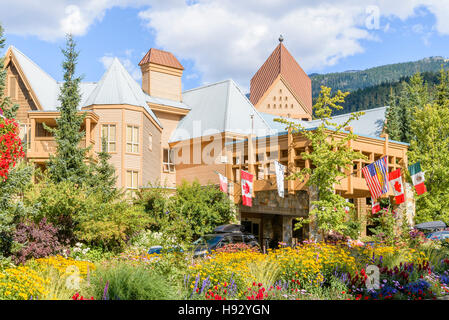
(257, 157)
(40, 142)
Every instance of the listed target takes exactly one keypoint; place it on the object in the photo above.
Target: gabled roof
(370, 124)
(282, 63)
(163, 58)
(218, 107)
(44, 86)
(118, 87)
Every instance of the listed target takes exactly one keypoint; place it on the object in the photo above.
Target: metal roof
(370, 124)
(44, 86)
(166, 102)
(115, 87)
(118, 87)
(218, 107)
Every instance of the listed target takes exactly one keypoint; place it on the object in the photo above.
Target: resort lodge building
(157, 134)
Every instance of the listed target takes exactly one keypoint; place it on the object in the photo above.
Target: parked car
(439, 235)
(159, 249)
(431, 226)
(222, 236)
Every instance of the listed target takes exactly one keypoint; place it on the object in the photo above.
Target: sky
(222, 39)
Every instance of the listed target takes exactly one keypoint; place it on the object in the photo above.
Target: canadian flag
(375, 206)
(398, 187)
(246, 180)
(223, 183)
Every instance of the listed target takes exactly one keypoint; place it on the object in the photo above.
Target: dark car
(222, 236)
(439, 235)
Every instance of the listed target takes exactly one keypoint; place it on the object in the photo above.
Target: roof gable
(118, 87)
(219, 107)
(282, 63)
(44, 87)
(160, 57)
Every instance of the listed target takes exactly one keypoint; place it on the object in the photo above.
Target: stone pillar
(287, 231)
(407, 208)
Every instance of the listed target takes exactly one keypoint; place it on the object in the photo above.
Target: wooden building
(157, 134)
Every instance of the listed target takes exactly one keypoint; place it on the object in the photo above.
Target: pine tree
(8, 108)
(430, 146)
(103, 175)
(19, 177)
(69, 161)
(414, 94)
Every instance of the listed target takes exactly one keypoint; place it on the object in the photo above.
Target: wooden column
(291, 161)
(88, 123)
(33, 135)
(350, 170)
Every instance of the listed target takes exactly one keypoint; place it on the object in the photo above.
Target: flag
(375, 206)
(397, 185)
(280, 171)
(376, 177)
(246, 180)
(417, 178)
(223, 183)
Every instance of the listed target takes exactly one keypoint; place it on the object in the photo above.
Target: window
(268, 106)
(274, 98)
(274, 106)
(108, 132)
(132, 139)
(13, 87)
(167, 163)
(150, 142)
(292, 106)
(286, 106)
(280, 91)
(132, 179)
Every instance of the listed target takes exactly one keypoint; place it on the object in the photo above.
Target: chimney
(161, 75)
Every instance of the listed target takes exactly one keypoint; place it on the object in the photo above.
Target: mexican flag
(398, 187)
(246, 180)
(417, 178)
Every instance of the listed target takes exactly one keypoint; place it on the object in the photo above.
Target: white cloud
(226, 38)
(51, 19)
(130, 66)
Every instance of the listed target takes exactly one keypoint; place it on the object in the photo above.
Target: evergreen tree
(8, 108)
(431, 147)
(414, 94)
(69, 161)
(103, 175)
(19, 177)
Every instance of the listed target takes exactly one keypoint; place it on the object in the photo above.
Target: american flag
(376, 176)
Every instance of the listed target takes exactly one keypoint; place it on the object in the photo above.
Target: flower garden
(310, 271)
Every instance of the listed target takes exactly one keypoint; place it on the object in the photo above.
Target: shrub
(36, 241)
(112, 225)
(122, 281)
